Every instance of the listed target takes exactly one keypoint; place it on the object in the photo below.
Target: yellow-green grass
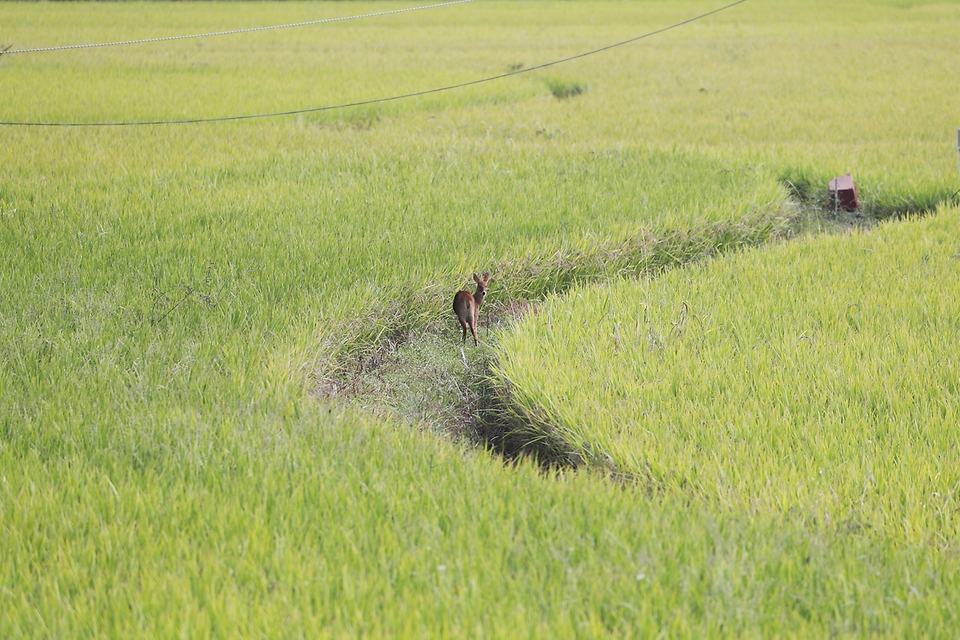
(167, 295)
(817, 380)
(361, 529)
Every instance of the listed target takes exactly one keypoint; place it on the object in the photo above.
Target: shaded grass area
(563, 89)
(811, 191)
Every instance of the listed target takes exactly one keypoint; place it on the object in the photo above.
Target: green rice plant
(170, 297)
(811, 380)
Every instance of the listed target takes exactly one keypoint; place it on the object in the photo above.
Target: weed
(564, 89)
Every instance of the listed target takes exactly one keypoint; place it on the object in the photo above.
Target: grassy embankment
(167, 293)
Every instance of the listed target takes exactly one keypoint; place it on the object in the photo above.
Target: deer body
(467, 306)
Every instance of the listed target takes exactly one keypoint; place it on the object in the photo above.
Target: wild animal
(467, 307)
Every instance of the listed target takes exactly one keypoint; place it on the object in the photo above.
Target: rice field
(818, 377)
(172, 297)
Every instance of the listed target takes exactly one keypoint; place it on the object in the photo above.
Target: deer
(467, 307)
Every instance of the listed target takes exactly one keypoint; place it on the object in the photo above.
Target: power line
(225, 33)
(376, 100)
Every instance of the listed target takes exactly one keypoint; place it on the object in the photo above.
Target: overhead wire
(380, 100)
(65, 47)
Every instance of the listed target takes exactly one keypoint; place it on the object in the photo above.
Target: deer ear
(486, 276)
(476, 278)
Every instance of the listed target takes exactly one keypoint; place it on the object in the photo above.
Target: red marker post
(843, 194)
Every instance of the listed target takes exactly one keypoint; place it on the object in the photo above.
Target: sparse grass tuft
(564, 89)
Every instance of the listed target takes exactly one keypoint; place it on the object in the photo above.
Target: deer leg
(473, 327)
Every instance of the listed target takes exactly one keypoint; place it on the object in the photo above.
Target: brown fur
(467, 307)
